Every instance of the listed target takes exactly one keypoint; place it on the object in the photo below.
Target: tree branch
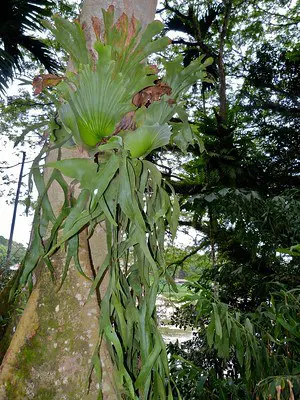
(183, 259)
(185, 188)
(16, 165)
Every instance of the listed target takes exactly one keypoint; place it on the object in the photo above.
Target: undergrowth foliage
(235, 354)
(114, 105)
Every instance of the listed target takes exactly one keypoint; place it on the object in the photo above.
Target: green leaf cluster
(99, 92)
(258, 350)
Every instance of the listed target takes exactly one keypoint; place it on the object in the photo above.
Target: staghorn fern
(99, 93)
(125, 191)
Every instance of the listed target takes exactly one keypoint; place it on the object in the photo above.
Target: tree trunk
(222, 83)
(50, 353)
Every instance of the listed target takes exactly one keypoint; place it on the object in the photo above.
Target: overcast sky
(9, 155)
(23, 223)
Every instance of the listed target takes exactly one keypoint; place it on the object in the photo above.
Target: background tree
(242, 194)
(22, 114)
(17, 255)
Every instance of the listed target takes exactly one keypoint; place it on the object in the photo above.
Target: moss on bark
(50, 354)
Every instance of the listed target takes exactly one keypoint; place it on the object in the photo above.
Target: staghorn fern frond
(99, 96)
(147, 138)
(71, 37)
